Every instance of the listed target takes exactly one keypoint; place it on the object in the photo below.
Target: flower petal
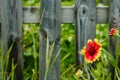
(92, 51)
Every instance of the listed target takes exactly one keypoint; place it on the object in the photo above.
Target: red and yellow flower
(113, 32)
(92, 51)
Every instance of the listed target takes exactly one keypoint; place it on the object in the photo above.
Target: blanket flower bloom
(92, 51)
(113, 32)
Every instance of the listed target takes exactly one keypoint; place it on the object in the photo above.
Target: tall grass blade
(6, 58)
(110, 57)
(57, 55)
(49, 55)
(117, 75)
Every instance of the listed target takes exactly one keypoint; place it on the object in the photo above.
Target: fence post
(50, 28)
(114, 22)
(0, 47)
(85, 16)
(11, 32)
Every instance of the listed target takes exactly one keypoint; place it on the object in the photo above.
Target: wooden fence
(85, 15)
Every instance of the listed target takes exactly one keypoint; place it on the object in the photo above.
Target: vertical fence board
(50, 18)
(0, 47)
(114, 22)
(85, 15)
(11, 31)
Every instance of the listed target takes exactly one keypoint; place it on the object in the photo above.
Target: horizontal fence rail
(31, 14)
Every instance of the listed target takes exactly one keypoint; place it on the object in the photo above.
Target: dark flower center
(91, 51)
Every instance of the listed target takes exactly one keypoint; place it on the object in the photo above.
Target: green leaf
(7, 56)
(118, 45)
(117, 74)
(108, 77)
(110, 57)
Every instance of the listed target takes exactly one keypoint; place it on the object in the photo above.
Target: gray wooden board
(11, 32)
(85, 16)
(114, 22)
(31, 14)
(0, 49)
(50, 28)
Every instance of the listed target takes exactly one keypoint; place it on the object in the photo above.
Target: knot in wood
(15, 37)
(115, 21)
(33, 9)
(83, 11)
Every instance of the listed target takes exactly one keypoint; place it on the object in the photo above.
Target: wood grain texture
(31, 14)
(67, 14)
(114, 22)
(102, 14)
(50, 15)
(85, 15)
(11, 31)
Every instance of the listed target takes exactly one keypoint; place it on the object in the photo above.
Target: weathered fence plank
(85, 11)
(11, 31)
(31, 14)
(114, 22)
(67, 14)
(50, 28)
(102, 14)
(0, 48)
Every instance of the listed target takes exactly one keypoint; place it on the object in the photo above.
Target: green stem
(34, 51)
(104, 40)
(86, 68)
(68, 69)
(118, 35)
(91, 73)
